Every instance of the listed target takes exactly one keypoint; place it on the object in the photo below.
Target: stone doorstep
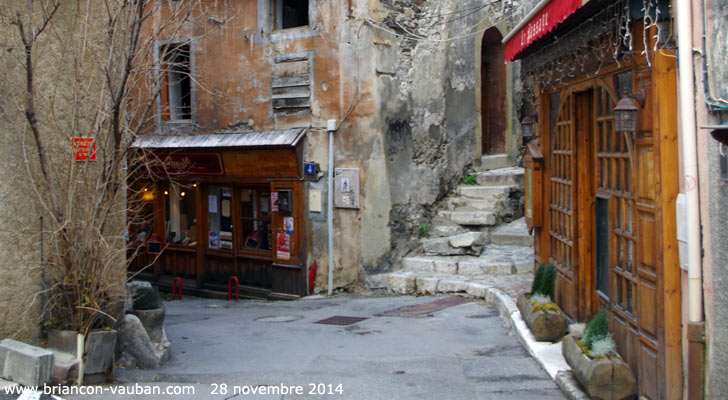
(494, 161)
(476, 204)
(505, 176)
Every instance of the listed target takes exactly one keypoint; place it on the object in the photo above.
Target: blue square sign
(310, 168)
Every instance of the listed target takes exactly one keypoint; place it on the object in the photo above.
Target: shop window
(219, 219)
(176, 90)
(141, 213)
(290, 13)
(181, 223)
(256, 219)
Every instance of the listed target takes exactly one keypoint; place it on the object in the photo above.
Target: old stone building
(411, 85)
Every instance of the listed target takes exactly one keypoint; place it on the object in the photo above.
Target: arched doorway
(493, 92)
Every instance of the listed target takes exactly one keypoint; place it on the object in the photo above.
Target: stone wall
(428, 84)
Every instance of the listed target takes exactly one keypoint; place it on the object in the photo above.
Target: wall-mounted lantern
(528, 125)
(625, 118)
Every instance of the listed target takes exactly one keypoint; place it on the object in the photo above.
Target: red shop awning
(544, 17)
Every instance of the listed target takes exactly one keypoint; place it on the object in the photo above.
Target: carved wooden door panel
(629, 291)
(562, 206)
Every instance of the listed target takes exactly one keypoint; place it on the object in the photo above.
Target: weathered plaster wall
(67, 80)
(713, 188)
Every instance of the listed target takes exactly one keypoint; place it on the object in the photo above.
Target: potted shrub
(594, 360)
(545, 319)
(148, 307)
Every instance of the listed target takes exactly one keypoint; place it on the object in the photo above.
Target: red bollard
(175, 282)
(230, 288)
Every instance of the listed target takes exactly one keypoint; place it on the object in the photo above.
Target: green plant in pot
(148, 307)
(542, 315)
(595, 363)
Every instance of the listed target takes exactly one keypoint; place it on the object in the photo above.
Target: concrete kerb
(548, 355)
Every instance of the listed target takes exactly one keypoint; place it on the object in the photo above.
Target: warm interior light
(145, 189)
(194, 185)
(182, 194)
(148, 196)
(166, 192)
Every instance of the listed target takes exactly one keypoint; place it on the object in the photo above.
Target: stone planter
(153, 322)
(604, 377)
(546, 325)
(99, 350)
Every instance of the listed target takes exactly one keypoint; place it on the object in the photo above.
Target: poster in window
(212, 204)
(213, 240)
(274, 201)
(283, 246)
(227, 192)
(288, 225)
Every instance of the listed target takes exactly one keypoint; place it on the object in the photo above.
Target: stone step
(444, 227)
(503, 176)
(469, 217)
(464, 243)
(512, 234)
(474, 203)
(496, 260)
(433, 283)
(494, 161)
(489, 193)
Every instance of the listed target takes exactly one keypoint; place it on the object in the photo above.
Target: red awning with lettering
(539, 23)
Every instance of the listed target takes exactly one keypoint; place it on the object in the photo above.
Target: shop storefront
(207, 208)
(604, 214)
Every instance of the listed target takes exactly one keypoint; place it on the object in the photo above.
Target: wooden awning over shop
(284, 138)
(540, 21)
(249, 155)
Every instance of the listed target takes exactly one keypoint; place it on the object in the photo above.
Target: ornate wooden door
(562, 206)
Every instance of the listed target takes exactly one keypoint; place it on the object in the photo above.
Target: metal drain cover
(279, 319)
(340, 320)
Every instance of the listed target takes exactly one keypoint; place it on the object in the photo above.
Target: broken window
(176, 91)
(290, 13)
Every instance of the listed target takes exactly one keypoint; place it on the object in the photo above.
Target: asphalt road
(252, 349)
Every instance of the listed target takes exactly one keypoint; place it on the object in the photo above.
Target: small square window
(290, 13)
(176, 91)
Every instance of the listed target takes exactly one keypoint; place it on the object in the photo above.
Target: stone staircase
(477, 241)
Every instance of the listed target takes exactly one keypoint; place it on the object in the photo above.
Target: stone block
(134, 346)
(402, 283)
(446, 266)
(469, 239)
(418, 264)
(470, 218)
(427, 285)
(452, 285)
(63, 340)
(100, 347)
(65, 367)
(470, 267)
(441, 247)
(25, 364)
(377, 281)
(477, 290)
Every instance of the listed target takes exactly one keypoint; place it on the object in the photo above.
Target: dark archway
(493, 92)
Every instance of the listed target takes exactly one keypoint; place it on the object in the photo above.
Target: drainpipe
(696, 326)
(331, 127)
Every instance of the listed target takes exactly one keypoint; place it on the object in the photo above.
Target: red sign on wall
(84, 149)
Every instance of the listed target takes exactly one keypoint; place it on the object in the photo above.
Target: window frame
(160, 73)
